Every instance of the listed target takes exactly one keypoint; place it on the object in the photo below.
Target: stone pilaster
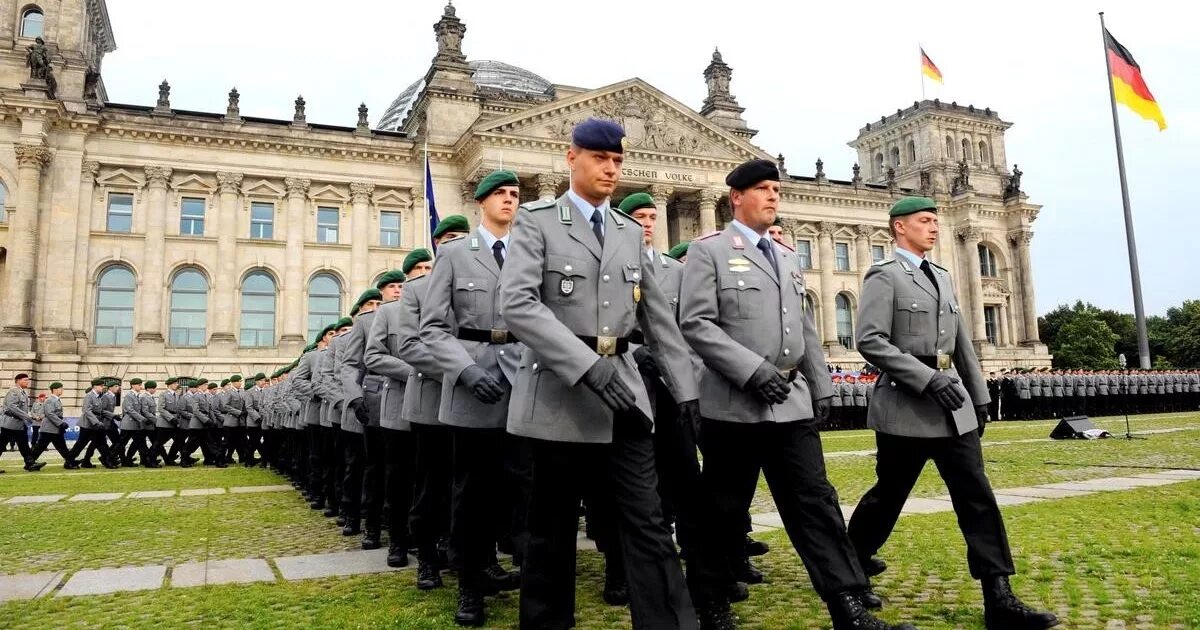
(149, 323)
(828, 295)
(971, 237)
(548, 185)
(1021, 240)
(862, 248)
(360, 220)
(708, 210)
(223, 340)
(82, 270)
(21, 262)
(661, 195)
(293, 271)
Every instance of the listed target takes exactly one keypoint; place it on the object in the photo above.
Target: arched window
(985, 156)
(949, 148)
(879, 165)
(114, 307)
(324, 302)
(912, 151)
(189, 309)
(845, 321)
(987, 262)
(3, 204)
(966, 149)
(33, 23)
(258, 311)
(896, 156)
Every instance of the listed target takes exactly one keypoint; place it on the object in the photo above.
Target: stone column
(293, 269)
(971, 236)
(360, 219)
(21, 262)
(83, 227)
(225, 283)
(708, 211)
(150, 293)
(1005, 338)
(548, 184)
(862, 248)
(662, 195)
(1021, 240)
(828, 300)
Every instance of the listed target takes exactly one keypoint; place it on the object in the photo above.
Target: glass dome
(492, 78)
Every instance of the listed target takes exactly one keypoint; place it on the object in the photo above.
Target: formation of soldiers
(1031, 394)
(551, 363)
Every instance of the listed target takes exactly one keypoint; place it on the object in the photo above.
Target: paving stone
(251, 489)
(583, 543)
(768, 519)
(916, 505)
(28, 585)
(151, 494)
(36, 498)
(99, 581)
(199, 492)
(1076, 485)
(1042, 493)
(1182, 474)
(97, 496)
(1010, 499)
(221, 572)
(331, 564)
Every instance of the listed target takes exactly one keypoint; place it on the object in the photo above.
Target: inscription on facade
(657, 175)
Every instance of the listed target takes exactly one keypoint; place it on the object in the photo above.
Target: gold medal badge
(637, 293)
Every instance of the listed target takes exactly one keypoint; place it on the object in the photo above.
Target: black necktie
(498, 253)
(929, 274)
(764, 246)
(598, 225)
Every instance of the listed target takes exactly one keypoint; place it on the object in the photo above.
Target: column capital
(661, 193)
(826, 228)
(360, 192)
(1021, 238)
(710, 196)
(158, 176)
(34, 155)
(89, 170)
(547, 184)
(229, 182)
(970, 234)
(863, 231)
(296, 187)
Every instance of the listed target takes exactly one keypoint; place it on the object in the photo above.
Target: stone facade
(91, 186)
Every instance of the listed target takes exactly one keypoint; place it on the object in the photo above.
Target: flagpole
(1139, 313)
(428, 178)
(921, 54)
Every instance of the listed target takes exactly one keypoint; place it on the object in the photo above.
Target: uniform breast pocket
(564, 279)
(741, 296)
(913, 316)
(470, 294)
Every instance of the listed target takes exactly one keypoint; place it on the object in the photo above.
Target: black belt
(606, 346)
(932, 361)
(495, 335)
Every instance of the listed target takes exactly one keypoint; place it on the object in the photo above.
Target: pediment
(262, 188)
(393, 197)
(194, 183)
(120, 178)
(653, 122)
(329, 192)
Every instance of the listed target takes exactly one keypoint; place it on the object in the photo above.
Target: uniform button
(637, 276)
(605, 278)
(785, 310)
(786, 351)
(914, 305)
(741, 283)
(470, 285)
(941, 312)
(604, 330)
(787, 330)
(501, 353)
(420, 375)
(568, 268)
(943, 332)
(605, 303)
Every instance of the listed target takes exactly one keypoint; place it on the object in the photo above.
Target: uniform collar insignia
(564, 214)
(474, 243)
(738, 243)
(617, 219)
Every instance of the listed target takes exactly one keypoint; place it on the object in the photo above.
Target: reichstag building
(147, 240)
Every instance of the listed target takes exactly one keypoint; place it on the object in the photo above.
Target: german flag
(1128, 86)
(928, 68)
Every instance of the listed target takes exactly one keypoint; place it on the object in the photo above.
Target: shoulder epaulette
(933, 264)
(623, 213)
(540, 204)
(451, 240)
(417, 279)
(885, 261)
(785, 246)
(707, 236)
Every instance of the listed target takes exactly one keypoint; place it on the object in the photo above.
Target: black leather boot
(848, 613)
(471, 611)
(1003, 610)
(716, 615)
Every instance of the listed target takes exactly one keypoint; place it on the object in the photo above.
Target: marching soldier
(1035, 410)
(1058, 391)
(1024, 396)
(575, 281)
(834, 421)
(16, 414)
(994, 387)
(930, 403)
(1080, 381)
(356, 415)
(53, 427)
(232, 429)
(305, 390)
(254, 418)
(91, 427)
(763, 392)
(861, 390)
(330, 386)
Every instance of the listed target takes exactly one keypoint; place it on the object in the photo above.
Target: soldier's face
(648, 217)
(917, 232)
(756, 206)
(501, 205)
(421, 269)
(23, 383)
(776, 233)
(392, 291)
(594, 174)
(369, 306)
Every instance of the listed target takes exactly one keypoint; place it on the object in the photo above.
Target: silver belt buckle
(499, 335)
(606, 346)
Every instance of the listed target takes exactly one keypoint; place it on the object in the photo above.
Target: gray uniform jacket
(845, 391)
(423, 393)
(669, 274)
(464, 292)
(253, 398)
(901, 316)
(560, 283)
(16, 410)
(200, 405)
(736, 312)
(357, 382)
(1035, 385)
(232, 405)
(1056, 383)
(1023, 387)
(131, 412)
(331, 382)
(304, 388)
(381, 357)
(52, 421)
(89, 415)
(166, 409)
(108, 407)
(1080, 385)
(1090, 382)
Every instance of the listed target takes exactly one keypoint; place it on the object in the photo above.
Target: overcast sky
(809, 75)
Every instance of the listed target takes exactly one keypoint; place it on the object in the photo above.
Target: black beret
(750, 173)
(598, 134)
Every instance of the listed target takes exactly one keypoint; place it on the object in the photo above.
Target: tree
(1183, 341)
(1080, 338)
(1126, 330)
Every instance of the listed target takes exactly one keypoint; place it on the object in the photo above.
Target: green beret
(344, 322)
(212, 385)
(201, 381)
(309, 348)
(170, 381)
(56, 385)
(390, 277)
(149, 385)
(494, 180)
(452, 223)
(752, 172)
(224, 382)
(258, 377)
(636, 201)
(417, 256)
(679, 251)
(599, 134)
(112, 381)
(135, 381)
(326, 330)
(911, 205)
(99, 380)
(367, 296)
(236, 378)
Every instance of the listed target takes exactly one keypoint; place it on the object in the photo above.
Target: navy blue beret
(599, 134)
(750, 173)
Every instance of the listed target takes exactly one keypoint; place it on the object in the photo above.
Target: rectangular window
(841, 253)
(804, 251)
(389, 229)
(191, 216)
(877, 253)
(991, 318)
(262, 220)
(327, 225)
(120, 212)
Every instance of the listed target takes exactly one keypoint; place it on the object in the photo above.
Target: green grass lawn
(54, 480)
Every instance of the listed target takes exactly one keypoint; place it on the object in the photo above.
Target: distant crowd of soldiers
(1041, 393)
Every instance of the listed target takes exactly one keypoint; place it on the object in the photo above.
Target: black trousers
(354, 456)
(17, 436)
(623, 471)
(107, 435)
(430, 517)
(398, 483)
(789, 455)
(482, 510)
(334, 464)
(46, 439)
(135, 440)
(959, 461)
(253, 444)
(91, 439)
(316, 460)
(680, 486)
(375, 459)
(235, 444)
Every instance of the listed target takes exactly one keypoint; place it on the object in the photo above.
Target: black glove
(359, 407)
(821, 408)
(689, 417)
(942, 388)
(770, 385)
(645, 362)
(602, 378)
(981, 414)
(482, 385)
